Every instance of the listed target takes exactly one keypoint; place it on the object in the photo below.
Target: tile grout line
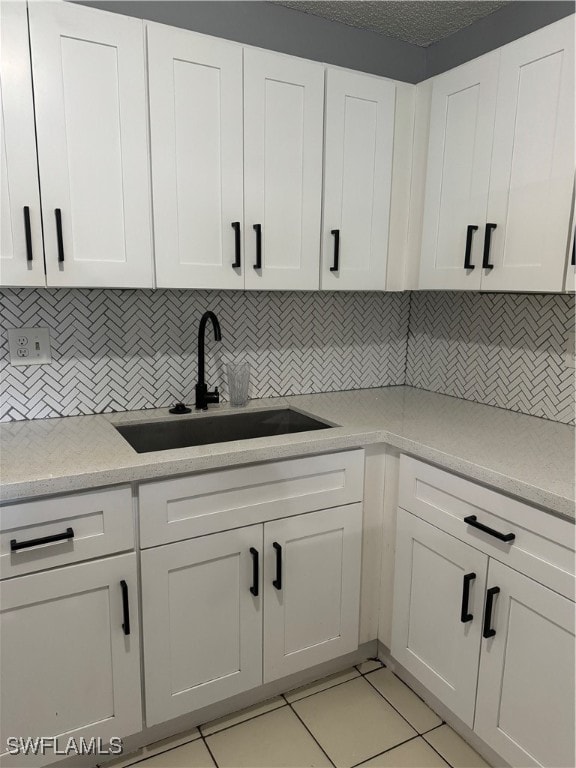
(208, 748)
(434, 748)
(397, 710)
(328, 688)
(379, 754)
(312, 736)
(247, 720)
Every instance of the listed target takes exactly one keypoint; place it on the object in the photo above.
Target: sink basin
(182, 433)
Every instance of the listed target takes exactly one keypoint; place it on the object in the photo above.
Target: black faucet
(203, 397)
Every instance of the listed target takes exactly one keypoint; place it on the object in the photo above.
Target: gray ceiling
(421, 22)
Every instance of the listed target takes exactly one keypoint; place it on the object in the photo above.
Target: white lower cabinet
(70, 661)
(215, 606)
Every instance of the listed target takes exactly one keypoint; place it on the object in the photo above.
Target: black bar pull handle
(487, 630)
(58, 215)
(468, 253)
(277, 582)
(16, 545)
(465, 614)
(255, 571)
(473, 521)
(487, 240)
(125, 607)
(336, 265)
(237, 263)
(573, 259)
(28, 233)
(258, 229)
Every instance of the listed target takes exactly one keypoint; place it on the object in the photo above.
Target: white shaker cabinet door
(283, 125)
(68, 668)
(202, 621)
(21, 253)
(311, 589)
(525, 705)
(532, 170)
(437, 621)
(359, 143)
(90, 96)
(458, 174)
(195, 88)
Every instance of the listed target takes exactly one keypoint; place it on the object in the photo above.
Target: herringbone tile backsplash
(127, 350)
(500, 349)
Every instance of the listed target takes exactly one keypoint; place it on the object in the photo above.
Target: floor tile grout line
(397, 710)
(435, 750)
(312, 736)
(379, 754)
(328, 688)
(247, 720)
(162, 751)
(209, 750)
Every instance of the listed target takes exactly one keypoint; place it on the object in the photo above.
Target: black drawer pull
(473, 521)
(255, 571)
(58, 215)
(487, 630)
(16, 545)
(468, 253)
(237, 262)
(573, 259)
(28, 233)
(277, 582)
(465, 615)
(336, 265)
(125, 607)
(258, 229)
(487, 240)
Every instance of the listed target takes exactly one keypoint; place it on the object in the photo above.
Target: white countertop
(521, 455)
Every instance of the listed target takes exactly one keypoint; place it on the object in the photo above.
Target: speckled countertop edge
(524, 456)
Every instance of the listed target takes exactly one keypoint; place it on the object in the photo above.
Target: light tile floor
(364, 716)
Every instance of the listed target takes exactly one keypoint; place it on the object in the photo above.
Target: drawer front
(64, 529)
(203, 503)
(543, 545)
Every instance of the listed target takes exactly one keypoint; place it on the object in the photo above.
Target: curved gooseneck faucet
(203, 396)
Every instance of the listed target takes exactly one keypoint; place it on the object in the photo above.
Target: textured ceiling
(421, 22)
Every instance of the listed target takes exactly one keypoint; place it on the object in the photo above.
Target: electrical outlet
(29, 346)
(569, 350)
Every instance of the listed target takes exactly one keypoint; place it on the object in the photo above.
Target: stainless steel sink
(202, 430)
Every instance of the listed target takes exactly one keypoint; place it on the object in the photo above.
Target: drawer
(98, 523)
(543, 545)
(207, 502)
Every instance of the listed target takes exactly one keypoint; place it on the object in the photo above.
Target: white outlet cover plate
(29, 346)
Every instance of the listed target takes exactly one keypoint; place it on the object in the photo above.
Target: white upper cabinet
(532, 170)
(90, 97)
(21, 254)
(195, 91)
(501, 168)
(458, 175)
(358, 153)
(283, 124)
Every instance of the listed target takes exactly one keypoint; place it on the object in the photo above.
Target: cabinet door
(21, 263)
(202, 623)
(89, 89)
(68, 668)
(283, 123)
(429, 637)
(195, 91)
(525, 706)
(533, 162)
(458, 173)
(359, 143)
(311, 589)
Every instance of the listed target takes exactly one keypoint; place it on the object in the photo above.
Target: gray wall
(286, 30)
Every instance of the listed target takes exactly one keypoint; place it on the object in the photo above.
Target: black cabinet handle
(473, 521)
(573, 259)
(58, 215)
(336, 265)
(255, 571)
(487, 630)
(16, 545)
(237, 261)
(125, 607)
(258, 229)
(277, 582)
(468, 253)
(28, 233)
(487, 239)
(465, 615)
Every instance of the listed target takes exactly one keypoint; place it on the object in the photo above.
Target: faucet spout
(203, 397)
